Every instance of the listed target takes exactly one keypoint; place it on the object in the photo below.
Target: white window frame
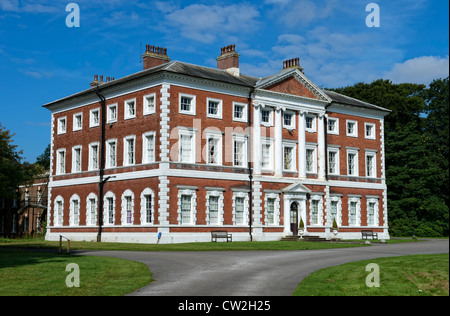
(192, 110)
(357, 200)
(109, 143)
(109, 118)
(336, 151)
(124, 210)
(147, 192)
(92, 154)
(311, 129)
(241, 139)
(60, 164)
(126, 161)
(336, 126)
(148, 109)
(270, 143)
(145, 149)
(276, 209)
(127, 103)
(338, 200)
(74, 219)
(62, 129)
(244, 195)
(219, 108)
(319, 200)
(356, 162)
(293, 119)
(373, 155)
(270, 116)
(218, 193)
(193, 211)
(373, 129)
(58, 217)
(90, 197)
(74, 158)
(109, 195)
(293, 148)
(244, 112)
(217, 136)
(76, 120)
(314, 166)
(355, 129)
(92, 122)
(375, 200)
(189, 133)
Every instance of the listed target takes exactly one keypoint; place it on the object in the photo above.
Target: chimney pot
(155, 56)
(292, 63)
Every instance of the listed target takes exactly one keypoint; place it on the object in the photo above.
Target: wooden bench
(220, 234)
(366, 234)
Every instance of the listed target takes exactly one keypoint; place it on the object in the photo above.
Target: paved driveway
(254, 273)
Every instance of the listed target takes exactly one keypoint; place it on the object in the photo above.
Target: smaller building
(26, 214)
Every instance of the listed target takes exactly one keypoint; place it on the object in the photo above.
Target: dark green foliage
(416, 144)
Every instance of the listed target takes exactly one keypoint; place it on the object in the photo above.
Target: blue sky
(42, 60)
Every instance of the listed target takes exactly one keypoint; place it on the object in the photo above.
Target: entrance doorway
(294, 218)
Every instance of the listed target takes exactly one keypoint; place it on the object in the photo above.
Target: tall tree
(413, 137)
(12, 171)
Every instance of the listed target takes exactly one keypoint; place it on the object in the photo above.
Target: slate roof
(343, 99)
(214, 74)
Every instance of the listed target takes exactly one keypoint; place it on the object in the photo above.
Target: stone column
(278, 143)
(257, 139)
(301, 145)
(321, 147)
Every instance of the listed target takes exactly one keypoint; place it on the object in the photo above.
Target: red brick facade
(168, 199)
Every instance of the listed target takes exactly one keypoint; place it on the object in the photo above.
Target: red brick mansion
(175, 151)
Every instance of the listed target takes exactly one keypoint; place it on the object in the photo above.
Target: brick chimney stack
(229, 60)
(98, 82)
(292, 63)
(154, 56)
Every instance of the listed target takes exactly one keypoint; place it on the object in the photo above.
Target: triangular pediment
(296, 188)
(293, 82)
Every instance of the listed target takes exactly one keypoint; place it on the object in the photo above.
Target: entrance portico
(294, 199)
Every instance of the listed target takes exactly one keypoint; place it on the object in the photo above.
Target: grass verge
(417, 275)
(26, 273)
(200, 246)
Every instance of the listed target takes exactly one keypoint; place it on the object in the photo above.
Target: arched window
(147, 206)
(58, 214)
(91, 210)
(127, 208)
(74, 215)
(109, 209)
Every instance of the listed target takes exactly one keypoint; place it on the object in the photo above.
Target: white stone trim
(109, 194)
(91, 196)
(276, 208)
(123, 218)
(240, 194)
(74, 221)
(147, 191)
(216, 193)
(193, 213)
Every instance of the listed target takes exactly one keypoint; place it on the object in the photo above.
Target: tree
(416, 143)
(44, 159)
(12, 171)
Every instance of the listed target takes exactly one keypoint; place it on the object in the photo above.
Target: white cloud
(206, 23)
(14, 6)
(422, 70)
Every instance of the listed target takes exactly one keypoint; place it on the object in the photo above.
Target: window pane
(186, 209)
(270, 210)
(239, 211)
(213, 209)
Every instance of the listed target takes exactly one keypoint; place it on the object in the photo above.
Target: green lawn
(200, 246)
(418, 275)
(25, 273)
